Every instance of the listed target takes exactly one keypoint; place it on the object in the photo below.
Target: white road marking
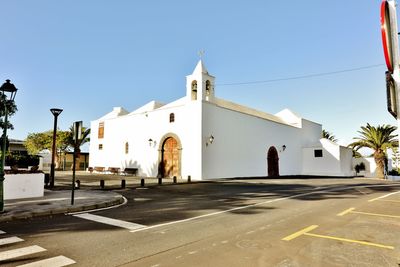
(259, 204)
(15, 253)
(2, 232)
(10, 240)
(110, 221)
(58, 261)
(384, 196)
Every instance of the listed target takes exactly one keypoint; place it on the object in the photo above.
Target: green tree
(36, 142)
(329, 136)
(378, 139)
(11, 110)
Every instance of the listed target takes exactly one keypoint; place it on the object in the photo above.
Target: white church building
(205, 137)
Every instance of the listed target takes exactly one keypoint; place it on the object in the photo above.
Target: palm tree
(378, 139)
(329, 136)
(76, 145)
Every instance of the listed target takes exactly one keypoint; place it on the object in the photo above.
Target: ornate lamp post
(7, 87)
(55, 112)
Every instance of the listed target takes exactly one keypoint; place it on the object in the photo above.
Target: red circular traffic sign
(387, 35)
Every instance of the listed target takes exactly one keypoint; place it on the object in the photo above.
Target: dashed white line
(10, 240)
(2, 232)
(15, 253)
(58, 261)
(110, 221)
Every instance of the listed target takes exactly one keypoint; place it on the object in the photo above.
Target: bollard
(77, 184)
(159, 181)
(123, 183)
(174, 179)
(189, 179)
(142, 182)
(102, 184)
(46, 179)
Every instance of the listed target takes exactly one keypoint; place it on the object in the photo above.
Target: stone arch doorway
(170, 162)
(273, 162)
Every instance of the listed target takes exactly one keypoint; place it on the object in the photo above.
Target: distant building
(65, 162)
(208, 138)
(15, 145)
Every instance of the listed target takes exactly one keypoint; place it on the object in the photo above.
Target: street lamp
(7, 87)
(55, 112)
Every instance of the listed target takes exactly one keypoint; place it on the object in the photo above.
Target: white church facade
(205, 137)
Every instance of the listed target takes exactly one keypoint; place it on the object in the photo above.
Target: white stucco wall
(28, 185)
(242, 141)
(138, 128)
(336, 160)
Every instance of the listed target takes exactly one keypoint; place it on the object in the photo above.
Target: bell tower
(200, 84)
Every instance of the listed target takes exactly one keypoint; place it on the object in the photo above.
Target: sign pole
(77, 135)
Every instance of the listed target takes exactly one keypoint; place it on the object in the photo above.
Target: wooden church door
(170, 157)
(273, 162)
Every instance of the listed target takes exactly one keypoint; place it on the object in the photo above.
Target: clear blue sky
(89, 56)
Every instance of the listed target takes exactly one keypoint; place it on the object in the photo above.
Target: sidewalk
(58, 202)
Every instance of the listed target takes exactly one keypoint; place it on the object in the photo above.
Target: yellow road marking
(345, 212)
(299, 233)
(306, 231)
(376, 214)
(350, 240)
(387, 200)
(351, 210)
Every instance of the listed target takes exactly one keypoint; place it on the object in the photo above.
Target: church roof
(200, 68)
(251, 111)
(116, 112)
(152, 105)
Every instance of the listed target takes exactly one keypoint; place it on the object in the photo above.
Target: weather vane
(201, 54)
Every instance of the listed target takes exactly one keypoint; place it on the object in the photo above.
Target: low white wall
(370, 166)
(24, 185)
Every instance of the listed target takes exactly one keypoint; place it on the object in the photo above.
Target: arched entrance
(273, 162)
(170, 158)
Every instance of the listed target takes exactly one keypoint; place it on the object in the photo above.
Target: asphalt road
(324, 222)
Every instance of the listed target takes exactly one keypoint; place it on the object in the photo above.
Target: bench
(113, 170)
(99, 169)
(132, 171)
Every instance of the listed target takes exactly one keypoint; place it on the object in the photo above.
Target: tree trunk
(379, 157)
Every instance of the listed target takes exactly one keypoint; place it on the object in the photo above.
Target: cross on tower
(201, 54)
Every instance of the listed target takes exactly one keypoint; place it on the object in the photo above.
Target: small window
(101, 130)
(100, 146)
(171, 117)
(126, 148)
(318, 153)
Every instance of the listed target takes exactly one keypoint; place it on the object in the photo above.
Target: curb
(49, 212)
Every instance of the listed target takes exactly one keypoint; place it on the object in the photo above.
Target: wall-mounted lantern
(210, 140)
